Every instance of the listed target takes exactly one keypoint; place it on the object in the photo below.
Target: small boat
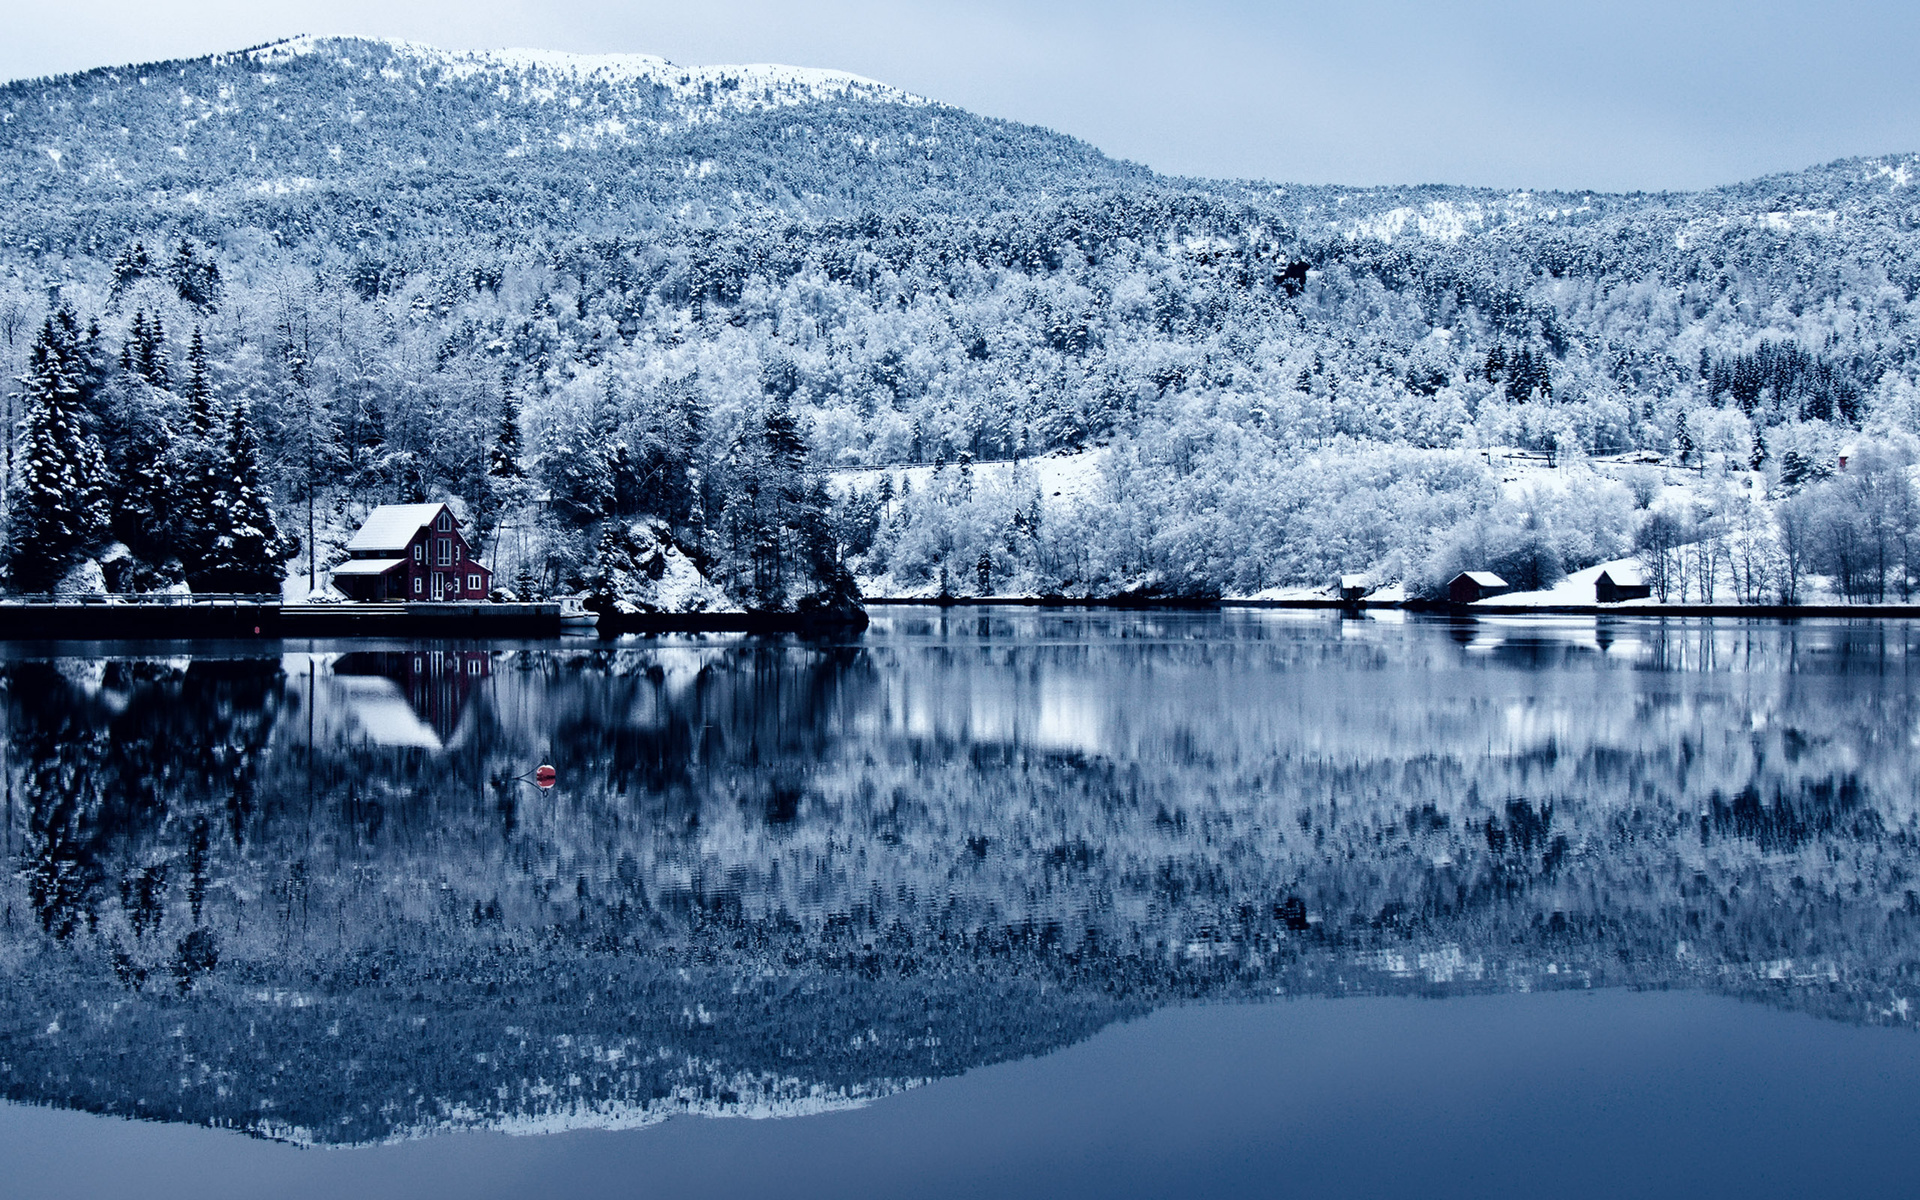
(576, 617)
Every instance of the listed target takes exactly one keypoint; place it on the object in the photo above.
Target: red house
(411, 552)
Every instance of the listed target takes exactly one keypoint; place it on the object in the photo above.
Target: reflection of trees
(106, 767)
(811, 845)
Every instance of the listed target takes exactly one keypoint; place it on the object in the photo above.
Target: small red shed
(1468, 586)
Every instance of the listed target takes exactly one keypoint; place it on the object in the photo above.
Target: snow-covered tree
(59, 507)
(245, 552)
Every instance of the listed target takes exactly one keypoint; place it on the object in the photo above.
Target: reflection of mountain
(781, 877)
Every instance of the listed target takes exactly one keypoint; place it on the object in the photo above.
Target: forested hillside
(577, 294)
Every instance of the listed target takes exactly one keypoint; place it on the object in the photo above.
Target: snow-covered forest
(811, 329)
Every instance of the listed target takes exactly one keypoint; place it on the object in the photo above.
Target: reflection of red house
(436, 684)
(411, 552)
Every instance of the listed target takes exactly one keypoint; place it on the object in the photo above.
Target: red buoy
(546, 776)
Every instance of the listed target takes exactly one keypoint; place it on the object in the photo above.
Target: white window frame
(419, 585)
(420, 552)
(445, 522)
(443, 552)
(473, 582)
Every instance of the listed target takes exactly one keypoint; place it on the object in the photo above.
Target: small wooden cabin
(1468, 586)
(1350, 588)
(411, 552)
(1620, 583)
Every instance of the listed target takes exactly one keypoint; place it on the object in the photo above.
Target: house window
(473, 583)
(418, 583)
(419, 553)
(443, 552)
(445, 522)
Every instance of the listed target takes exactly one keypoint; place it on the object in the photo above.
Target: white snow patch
(539, 74)
(1063, 476)
(1575, 588)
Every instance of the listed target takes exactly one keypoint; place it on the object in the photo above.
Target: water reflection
(401, 697)
(315, 896)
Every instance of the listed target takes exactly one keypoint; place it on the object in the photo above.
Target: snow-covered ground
(1577, 588)
(1063, 476)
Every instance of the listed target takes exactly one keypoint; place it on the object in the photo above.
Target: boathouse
(1468, 586)
(1620, 583)
(407, 552)
(1350, 588)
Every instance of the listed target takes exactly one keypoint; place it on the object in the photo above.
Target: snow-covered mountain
(632, 81)
(644, 257)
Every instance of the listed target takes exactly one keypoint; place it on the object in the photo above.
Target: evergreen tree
(245, 552)
(130, 349)
(195, 279)
(146, 501)
(59, 505)
(129, 267)
(504, 484)
(503, 460)
(778, 522)
(195, 466)
(145, 353)
(1793, 470)
(199, 389)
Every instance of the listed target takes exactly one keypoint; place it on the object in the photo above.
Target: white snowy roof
(1623, 576)
(367, 566)
(1353, 581)
(1483, 578)
(392, 526)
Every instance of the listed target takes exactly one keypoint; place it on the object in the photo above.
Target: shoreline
(261, 621)
(1425, 607)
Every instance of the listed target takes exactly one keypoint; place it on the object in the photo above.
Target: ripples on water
(315, 894)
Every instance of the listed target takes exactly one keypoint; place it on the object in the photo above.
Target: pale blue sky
(1640, 94)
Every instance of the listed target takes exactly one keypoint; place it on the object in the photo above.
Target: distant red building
(1468, 586)
(411, 552)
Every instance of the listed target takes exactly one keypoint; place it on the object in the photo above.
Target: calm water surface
(991, 903)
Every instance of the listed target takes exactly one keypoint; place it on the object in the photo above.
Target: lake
(981, 902)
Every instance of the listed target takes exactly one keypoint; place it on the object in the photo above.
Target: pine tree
(195, 280)
(195, 468)
(129, 267)
(1793, 469)
(146, 501)
(199, 389)
(145, 353)
(503, 460)
(157, 365)
(129, 350)
(245, 552)
(59, 505)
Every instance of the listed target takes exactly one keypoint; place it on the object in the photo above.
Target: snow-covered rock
(642, 570)
(86, 580)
